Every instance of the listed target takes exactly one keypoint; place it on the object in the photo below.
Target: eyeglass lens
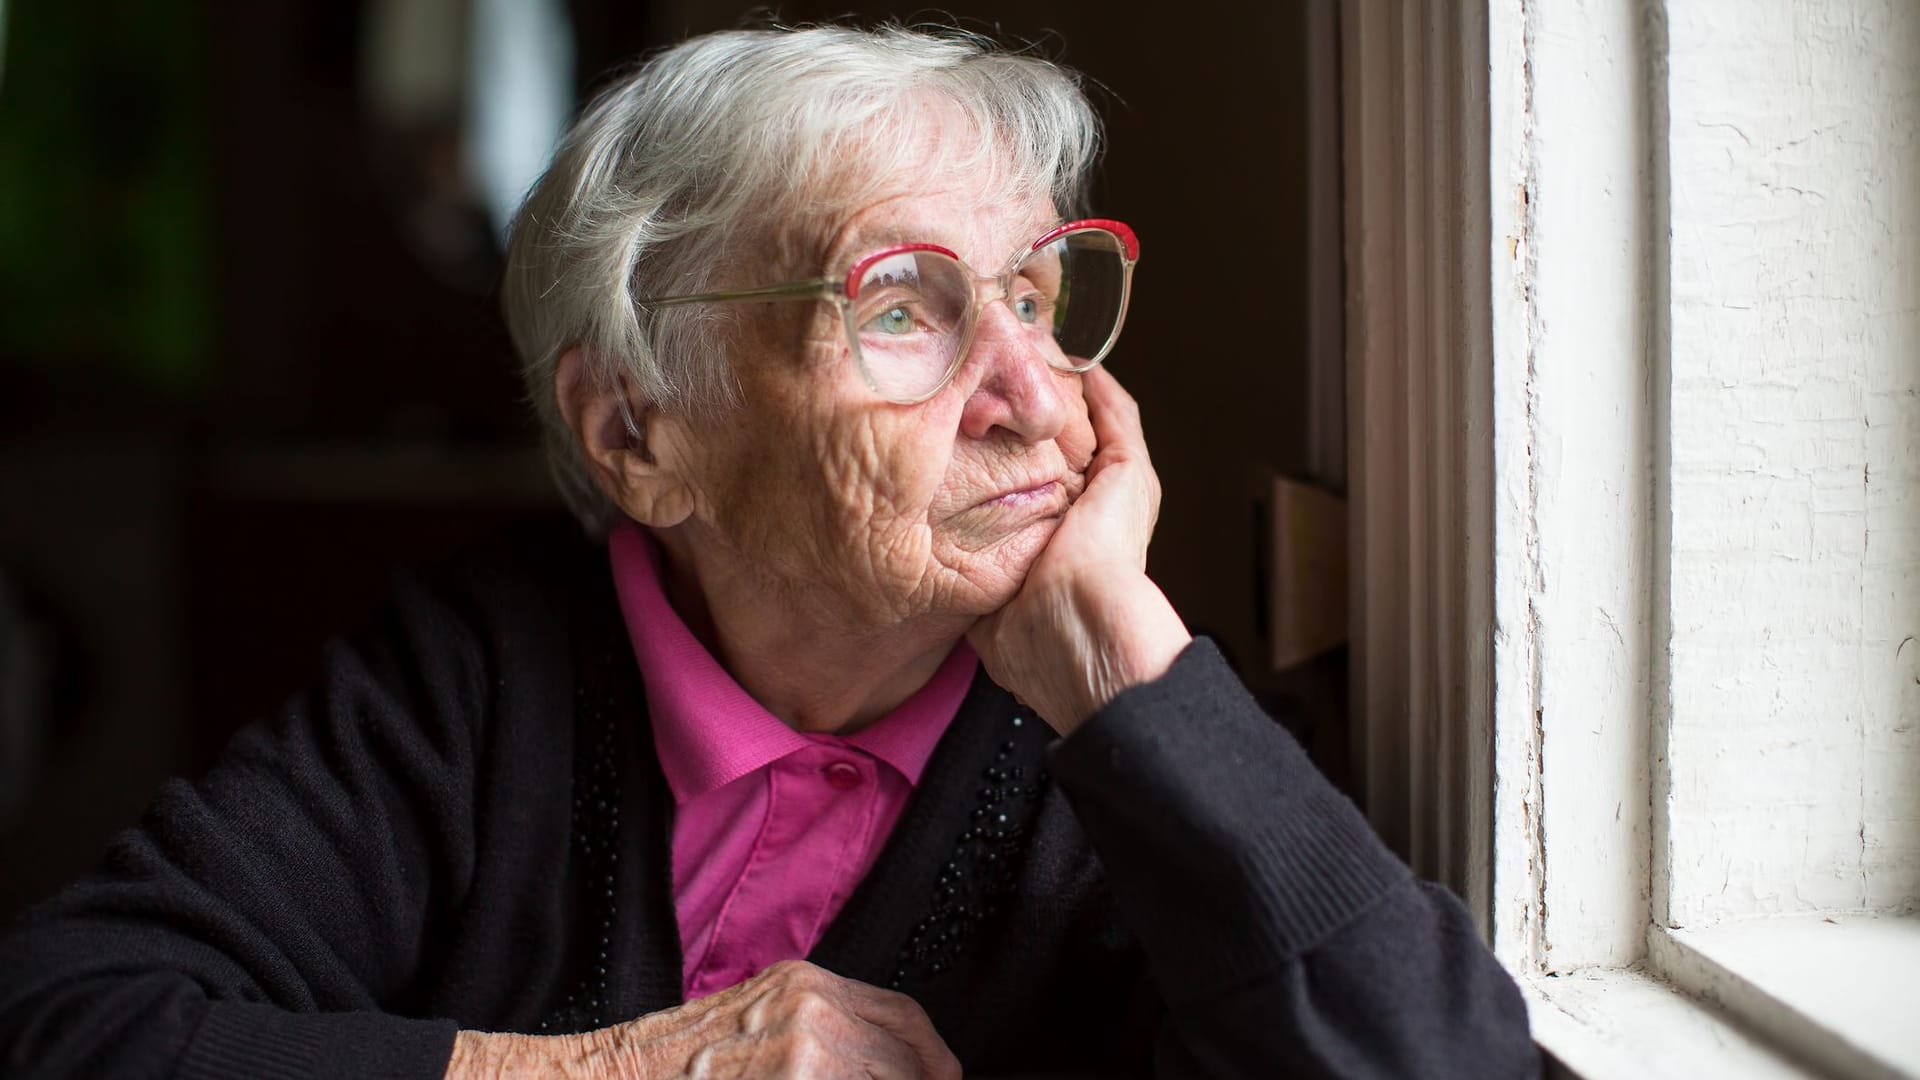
(913, 313)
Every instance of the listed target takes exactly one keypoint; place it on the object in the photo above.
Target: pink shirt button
(842, 775)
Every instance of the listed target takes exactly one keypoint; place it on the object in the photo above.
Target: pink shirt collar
(708, 731)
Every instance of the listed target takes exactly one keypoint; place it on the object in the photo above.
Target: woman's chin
(991, 574)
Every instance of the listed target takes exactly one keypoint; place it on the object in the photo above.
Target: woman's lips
(1021, 498)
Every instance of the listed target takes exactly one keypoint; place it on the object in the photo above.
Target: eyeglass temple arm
(798, 290)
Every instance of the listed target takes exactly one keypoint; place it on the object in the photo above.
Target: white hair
(753, 137)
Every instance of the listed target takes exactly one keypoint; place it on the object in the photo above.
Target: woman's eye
(1033, 308)
(894, 320)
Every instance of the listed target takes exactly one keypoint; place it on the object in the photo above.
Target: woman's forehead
(926, 172)
(982, 230)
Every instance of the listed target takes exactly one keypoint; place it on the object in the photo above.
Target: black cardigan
(464, 825)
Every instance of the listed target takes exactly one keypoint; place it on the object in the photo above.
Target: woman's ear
(621, 445)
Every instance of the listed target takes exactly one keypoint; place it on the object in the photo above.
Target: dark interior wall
(191, 514)
(333, 318)
(253, 364)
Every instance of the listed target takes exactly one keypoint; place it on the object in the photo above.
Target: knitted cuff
(238, 1039)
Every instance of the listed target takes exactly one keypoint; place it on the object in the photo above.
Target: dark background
(250, 355)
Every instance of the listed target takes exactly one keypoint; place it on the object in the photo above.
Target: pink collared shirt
(773, 827)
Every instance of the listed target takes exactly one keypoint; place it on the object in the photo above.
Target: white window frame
(1505, 240)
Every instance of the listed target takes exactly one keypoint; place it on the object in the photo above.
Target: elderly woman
(852, 739)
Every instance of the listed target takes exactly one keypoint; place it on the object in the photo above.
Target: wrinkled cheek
(898, 535)
(882, 480)
(895, 524)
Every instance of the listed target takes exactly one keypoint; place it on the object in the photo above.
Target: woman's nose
(1017, 391)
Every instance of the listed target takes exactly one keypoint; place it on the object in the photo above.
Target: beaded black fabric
(596, 851)
(982, 868)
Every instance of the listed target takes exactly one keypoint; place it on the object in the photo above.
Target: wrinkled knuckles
(802, 1055)
(791, 971)
(813, 1013)
(913, 1008)
(707, 1063)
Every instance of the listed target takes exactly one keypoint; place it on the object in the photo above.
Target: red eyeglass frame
(846, 290)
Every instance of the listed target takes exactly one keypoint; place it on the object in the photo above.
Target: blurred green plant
(104, 230)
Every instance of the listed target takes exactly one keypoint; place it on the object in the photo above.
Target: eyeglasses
(911, 310)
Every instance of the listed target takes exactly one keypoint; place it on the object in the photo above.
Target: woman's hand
(791, 1020)
(1088, 623)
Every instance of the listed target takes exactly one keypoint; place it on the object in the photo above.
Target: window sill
(1833, 996)
(1615, 1024)
(1838, 991)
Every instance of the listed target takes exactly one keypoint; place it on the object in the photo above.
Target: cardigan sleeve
(1282, 935)
(264, 921)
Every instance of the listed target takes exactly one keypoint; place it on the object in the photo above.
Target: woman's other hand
(1088, 623)
(791, 1020)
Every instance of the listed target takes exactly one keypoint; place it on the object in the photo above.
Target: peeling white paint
(1519, 862)
(1572, 514)
(1794, 736)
